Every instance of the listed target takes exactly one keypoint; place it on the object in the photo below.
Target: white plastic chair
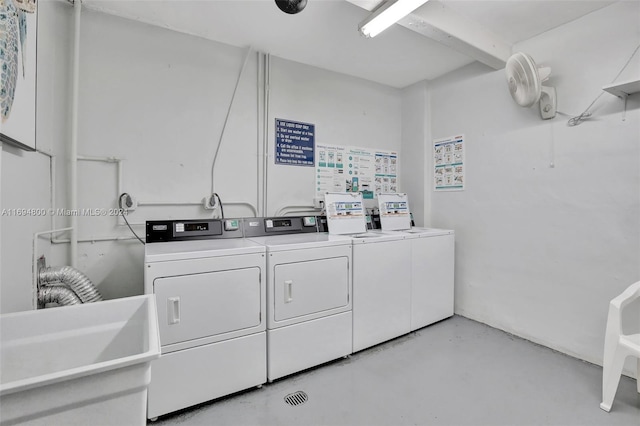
(618, 346)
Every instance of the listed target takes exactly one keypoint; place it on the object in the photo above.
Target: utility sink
(82, 364)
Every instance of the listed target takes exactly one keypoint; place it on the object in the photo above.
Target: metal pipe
(75, 279)
(73, 150)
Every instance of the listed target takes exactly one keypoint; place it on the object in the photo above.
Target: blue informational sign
(295, 143)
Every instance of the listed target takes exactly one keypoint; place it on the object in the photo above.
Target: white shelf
(624, 88)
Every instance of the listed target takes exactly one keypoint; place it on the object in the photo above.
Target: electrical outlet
(210, 202)
(128, 202)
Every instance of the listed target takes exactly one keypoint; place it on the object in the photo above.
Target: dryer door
(207, 304)
(310, 287)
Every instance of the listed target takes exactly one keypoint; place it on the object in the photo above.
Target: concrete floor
(456, 372)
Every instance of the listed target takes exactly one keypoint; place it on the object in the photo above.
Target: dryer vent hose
(78, 282)
(58, 294)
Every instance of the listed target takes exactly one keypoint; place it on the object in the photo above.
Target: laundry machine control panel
(262, 226)
(196, 229)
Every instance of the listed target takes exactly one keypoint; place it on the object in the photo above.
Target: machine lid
(301, 241)
(182, 250)
(394, 211)
(416, 232)
(376, 236)
(426, 232)
(345, 212)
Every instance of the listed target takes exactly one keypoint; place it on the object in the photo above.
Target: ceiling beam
(436, 21)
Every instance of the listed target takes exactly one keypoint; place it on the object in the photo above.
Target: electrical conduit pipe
(73, 150)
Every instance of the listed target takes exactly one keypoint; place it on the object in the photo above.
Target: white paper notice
(448, 164)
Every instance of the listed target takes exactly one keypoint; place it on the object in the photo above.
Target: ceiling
(437, 38)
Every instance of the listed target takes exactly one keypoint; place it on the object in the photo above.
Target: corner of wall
(428, 158)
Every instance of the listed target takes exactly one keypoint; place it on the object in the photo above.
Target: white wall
(345, 111)
(26, 175)
(157, 99)
(548, 227)
(415, 136)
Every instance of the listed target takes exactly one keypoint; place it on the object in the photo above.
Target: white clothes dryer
(210, 291)
(309, 286)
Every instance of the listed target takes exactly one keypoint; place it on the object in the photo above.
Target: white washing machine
(381, 273)
(432, 275)
(432, 261)
(309, 318)
(210, 290)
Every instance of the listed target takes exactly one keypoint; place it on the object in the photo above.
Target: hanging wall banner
(295, 143)
(356, 169)
(448, 162)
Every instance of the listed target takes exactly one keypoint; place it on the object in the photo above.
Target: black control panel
(195, 229)
(201, 229)
(261, 226)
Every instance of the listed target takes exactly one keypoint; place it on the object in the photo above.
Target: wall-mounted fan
(525, 84)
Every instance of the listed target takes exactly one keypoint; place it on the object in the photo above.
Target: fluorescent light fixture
(387, 14)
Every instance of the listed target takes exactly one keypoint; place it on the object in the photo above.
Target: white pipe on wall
(52, 187)
(99, 159)
(169, 203)
(226, 118)
(253, 209)
(73, 149)
(117, 161)
(296, 209)
(259, 107)
(265, 132)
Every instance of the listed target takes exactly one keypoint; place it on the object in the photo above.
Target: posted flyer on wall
(448, 164)
(295, 143)
(355, 169)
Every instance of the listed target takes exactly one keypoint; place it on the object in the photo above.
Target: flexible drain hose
(76, 280)
(58, 294)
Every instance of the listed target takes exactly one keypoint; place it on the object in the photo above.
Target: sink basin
(78, 364)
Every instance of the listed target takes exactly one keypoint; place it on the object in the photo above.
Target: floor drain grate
(296, 398)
